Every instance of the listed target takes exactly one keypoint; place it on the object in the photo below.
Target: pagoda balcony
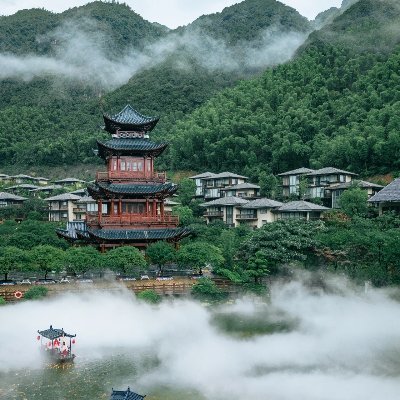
(132, 220)
(159, 177)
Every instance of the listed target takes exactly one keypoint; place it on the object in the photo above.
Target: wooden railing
(246, 216)
(133, 219)
(131, 176)
(213, 214)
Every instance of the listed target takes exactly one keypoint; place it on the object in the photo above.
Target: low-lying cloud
(343, 345)
(83, 55)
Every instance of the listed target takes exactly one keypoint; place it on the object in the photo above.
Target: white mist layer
(81, 55)
(344, 345)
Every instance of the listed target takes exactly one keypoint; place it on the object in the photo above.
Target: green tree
(187, 189)
(161, 253)
(185, 215)
(126, 260)
(354, 201)
(36, 292)
(149, 296)
(79, 260)
(46, 259)
(12, 259)
(197, 255)
(257, 267)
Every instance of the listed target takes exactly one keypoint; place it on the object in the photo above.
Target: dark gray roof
(86, 199)
(329, 171)
(361, 184)
(226, 201)
(202, 176)
(9, 196)
(26, 186)
(301, 205)
(63, 197)
(298, 171)
(389, 193)
(227, 175)
(138, 234)
(70, 180)
(53, 333)
(244, 185)
(22, 176)
(140, 189)
(263, 203)
(47, 188)
(125, 395)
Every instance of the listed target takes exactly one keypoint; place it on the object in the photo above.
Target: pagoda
(130, 195)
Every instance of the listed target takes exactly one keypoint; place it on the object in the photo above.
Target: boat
(56, 344)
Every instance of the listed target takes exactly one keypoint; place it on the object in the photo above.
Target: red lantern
(73, 341)
(38, 338)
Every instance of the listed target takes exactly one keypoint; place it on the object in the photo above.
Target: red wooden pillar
(154, 208)
(112, 207)
(162, 210)
(120, 207)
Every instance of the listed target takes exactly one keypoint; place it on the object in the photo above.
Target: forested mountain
(336, 104)
(73, 66)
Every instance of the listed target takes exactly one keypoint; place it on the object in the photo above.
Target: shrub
(36, 292)
(149, 296)
(206, 289)
(2, 301)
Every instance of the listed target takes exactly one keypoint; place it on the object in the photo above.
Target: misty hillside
(57, 79)
(335, 104)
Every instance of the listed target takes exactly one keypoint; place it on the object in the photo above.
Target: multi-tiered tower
(130, 195)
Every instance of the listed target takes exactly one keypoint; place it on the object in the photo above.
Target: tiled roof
(131, 144)
(242, 186)
(9, 196)
(226, 201)
(63, 197)
(70, 180)
(361, 184)
(298, 171)
(139, 189)
(301, 205)
(26, 186)
(138, 234)
(86, 199)
(53, 333)
(263, 203)
(389, 193)
(227, 175)
(125, 395)
(202, 176)
(329, 171)
(47, 188)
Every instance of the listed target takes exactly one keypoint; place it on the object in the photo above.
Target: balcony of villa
(246, 216)
(214, 214)
(159, 177)
(136, 220)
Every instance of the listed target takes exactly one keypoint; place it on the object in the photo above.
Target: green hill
(336, 104)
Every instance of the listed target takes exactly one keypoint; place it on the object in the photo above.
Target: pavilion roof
(329, 171)
(125, 395)
(298, 171)
(129, 120)
(132, 189)
(226, 201)
(10, 196)
(263, 203)
(53, 333)
(129, 147)
(389, 193)
(301, 205)
(138, 234)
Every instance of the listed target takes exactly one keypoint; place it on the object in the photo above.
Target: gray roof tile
(301, 205)
(389, 193)
(263, 203)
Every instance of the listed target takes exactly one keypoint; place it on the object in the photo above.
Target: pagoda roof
(389, 193)
(330, 171)
(53, 333)
(125, 395)
(132, 189)
(129, 120)
(10, 196)
(226, 201)
(301, 205)
(298, 171)
(263, 203)
(129, 147)
(138, 234)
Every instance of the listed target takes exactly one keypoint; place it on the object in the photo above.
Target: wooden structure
(125, 395)
(130, 194)
(58, 346)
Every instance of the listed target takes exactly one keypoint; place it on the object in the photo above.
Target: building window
(140, 166)
(123, 166)
(134, 166)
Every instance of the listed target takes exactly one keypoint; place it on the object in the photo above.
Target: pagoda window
(123, 165)
(149, 165)
(134, 166)
(128, 166)
(140, 166)
(91, 207)
(115, 165)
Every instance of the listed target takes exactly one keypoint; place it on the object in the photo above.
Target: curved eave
(65, 234)
(101, 190)
(138, 235)
(112, 126)
(107, 150)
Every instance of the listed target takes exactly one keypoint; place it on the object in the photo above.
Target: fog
(342, 343)
(80, 52)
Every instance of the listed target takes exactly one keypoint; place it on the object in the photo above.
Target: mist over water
(81, 53)
(304, 343)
